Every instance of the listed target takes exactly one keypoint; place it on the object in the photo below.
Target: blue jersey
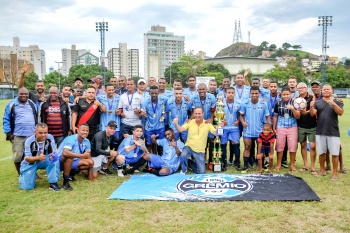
(285, 117)
(271, 104)
(190, 94)
(231, 114)
(167, 94)
(179, 111)
(154, 113)
(111, 105)
(169, 153)
(242, 94)
(207, 104)
(132, 156)
(72, 143)
(255, 116)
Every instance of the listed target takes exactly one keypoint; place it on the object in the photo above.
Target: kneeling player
(74, 154)
(39, 154)
(266, 141)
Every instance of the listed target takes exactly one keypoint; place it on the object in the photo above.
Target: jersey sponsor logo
(218, 186)
(54, 109)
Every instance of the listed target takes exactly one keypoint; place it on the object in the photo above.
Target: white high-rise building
(31, 54)
(161, 49)
(69, 57)
(123, 61)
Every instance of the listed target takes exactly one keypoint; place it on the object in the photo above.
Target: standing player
(266, 142)
(253, 114)
(191, 91)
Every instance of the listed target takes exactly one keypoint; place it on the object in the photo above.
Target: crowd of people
(125, 126)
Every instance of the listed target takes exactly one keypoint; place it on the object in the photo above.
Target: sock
(236, 150)
(224, 154)
(65, 179)
(138, 164)
(246, 162)
(155, 172)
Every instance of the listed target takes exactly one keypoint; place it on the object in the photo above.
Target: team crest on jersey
(260, 107)
(217, 186)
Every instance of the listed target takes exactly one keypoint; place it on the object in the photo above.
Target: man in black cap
(78, 82)
(100, 149)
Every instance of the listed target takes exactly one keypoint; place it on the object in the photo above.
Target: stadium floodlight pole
(324, 21)
(59, 75)
(102, 27)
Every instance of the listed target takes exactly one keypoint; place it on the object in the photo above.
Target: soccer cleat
(54, 187)
(244, 170)
(120, 173)
(105, 171)
(67, 187)
(71, 178)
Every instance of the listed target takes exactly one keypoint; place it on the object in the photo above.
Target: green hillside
(302, 54)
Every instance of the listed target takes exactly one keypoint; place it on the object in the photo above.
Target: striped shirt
(285, 117)
(54, 119)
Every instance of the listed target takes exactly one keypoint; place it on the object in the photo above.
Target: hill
(240, 49)
(301, 53)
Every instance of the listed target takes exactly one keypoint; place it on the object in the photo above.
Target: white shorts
(330, 143)
(98, 162)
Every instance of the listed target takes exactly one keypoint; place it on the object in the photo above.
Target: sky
(208, 25)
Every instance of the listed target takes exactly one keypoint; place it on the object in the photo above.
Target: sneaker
(284, 164)
(67, 187)
(266, 164)
(120, 173)
(54, 187)
(137, 171)
(105, 171)
(71, 178)
(244, 170)
(230, 164)
(182, 173)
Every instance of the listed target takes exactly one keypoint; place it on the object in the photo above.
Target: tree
(215, 67)
(54, 78)
(281, 74)
(338, 77)
(347, 63)
(86, 73)
(296, 47)
(264, 45)
(30, 80)
(286, 46)
(272, 47)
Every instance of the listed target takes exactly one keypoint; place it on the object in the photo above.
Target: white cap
(141, 80)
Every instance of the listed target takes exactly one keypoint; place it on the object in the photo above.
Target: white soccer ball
(299, 103)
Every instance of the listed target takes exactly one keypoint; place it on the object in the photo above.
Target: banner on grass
(215, 187)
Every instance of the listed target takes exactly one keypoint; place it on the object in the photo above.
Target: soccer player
(231, 130)
(285, 128)
(130, 150)
(253, 114)
(266, 142)
(191, 91)
(162, 89)
(180, 108)
(38, 154)
(122, 85)
(154, 110)
(196, 141)
(213, 84)
(241, 91)
(101, 149)
(74, 154)
(327, 111)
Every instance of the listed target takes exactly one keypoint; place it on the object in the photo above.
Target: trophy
(219, 116)
(163, 114)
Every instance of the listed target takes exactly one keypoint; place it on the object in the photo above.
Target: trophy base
(217, 168)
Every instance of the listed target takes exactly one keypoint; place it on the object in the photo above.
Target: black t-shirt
(100, 143)
(306, 121)
(81, 107)
(327, 119)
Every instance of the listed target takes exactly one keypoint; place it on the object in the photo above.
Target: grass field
(86, 208)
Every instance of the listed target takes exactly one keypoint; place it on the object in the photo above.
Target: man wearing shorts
(327, 111)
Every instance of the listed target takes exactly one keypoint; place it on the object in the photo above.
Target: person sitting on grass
(74, 153)
(39, 153)
(266, 141)
(131, 150)
(169, 162)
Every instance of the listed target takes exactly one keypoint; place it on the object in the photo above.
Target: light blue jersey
(255, 116)
(167, 94)
(72, 143)
(231, 114)
(208, 104)
(190, 94)
(169, 153)
(242, 94)
(111, 105)
(179, 111)
(132, 156)
(154, 113)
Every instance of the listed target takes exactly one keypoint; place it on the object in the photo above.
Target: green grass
(301, 53)
(86, 209)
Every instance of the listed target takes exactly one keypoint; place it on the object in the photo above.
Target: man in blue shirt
(253, 114)
(191, 91)
(154, 110)
(20, 118)
(39, 153)
(75, 154)
(178, 107)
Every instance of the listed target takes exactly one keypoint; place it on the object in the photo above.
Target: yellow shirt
(198, 135)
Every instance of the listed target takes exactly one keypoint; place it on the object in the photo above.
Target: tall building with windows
(123, 61)
(31, 55)
(69, 57)
(161, 49)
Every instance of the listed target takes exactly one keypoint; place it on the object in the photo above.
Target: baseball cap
(95, 80)
(112, 123)
(315, 82)
(141, 81)
(76, 79)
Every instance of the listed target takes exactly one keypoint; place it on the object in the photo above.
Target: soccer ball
(299, 103)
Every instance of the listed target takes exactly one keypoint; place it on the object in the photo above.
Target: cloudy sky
(207, 25)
